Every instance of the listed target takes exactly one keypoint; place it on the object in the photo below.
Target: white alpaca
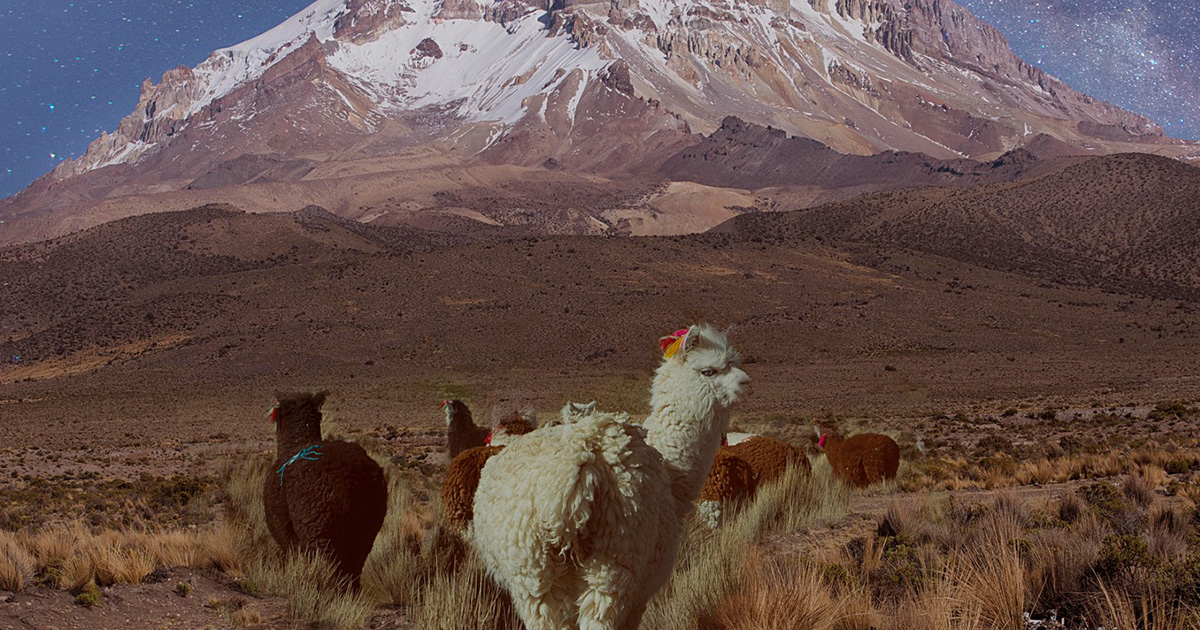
(581, 522)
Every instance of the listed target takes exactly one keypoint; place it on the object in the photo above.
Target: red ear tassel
(670, 344)
(488, 440)
(271, 412)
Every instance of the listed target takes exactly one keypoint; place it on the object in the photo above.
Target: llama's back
(336, 502)
(867, 458)
(730, 478)
(463, 436)
(880, 457)
(568, 503)
(770, 458)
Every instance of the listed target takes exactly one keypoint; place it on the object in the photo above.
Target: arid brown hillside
(195, 318)
(1125, 222)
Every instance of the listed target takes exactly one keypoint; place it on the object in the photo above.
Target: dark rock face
(616, 76)
(328, 497)
(366, 20)
(252, 168)
(428, 49)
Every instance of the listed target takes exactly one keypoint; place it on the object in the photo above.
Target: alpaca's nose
(742, 377)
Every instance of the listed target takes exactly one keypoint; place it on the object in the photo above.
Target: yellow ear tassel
(673, 342)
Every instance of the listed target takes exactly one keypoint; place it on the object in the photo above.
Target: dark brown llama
(461, 432)
(860, 460)
(324, 496)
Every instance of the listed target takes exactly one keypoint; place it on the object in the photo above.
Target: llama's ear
(319, 397)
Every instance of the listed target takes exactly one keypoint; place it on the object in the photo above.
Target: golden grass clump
(465, 598)
(16, 564)
(712, 563)
(777, 595)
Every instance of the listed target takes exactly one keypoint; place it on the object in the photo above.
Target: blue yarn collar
(311, 454)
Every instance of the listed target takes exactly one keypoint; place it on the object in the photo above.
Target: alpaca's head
(700, 366)
(825, 436)
(297, 415)
(512, 425)
(455, 409)
(573, 411)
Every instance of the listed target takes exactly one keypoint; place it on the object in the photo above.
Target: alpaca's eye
(708, 371)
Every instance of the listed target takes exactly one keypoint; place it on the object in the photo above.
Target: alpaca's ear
(319, 397)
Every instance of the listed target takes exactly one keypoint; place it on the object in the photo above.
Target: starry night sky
(70, 70)
(1142, 55)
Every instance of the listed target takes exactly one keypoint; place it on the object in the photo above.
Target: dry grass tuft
(16, 565)
(465, 598)
(773, 597)
(712, 563)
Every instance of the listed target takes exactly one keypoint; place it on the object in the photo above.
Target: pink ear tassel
(672, 342)
(821, 442)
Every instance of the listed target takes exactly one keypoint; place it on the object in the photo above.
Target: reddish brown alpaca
(729, 479)
(462, 479)
(510, 426)
(462, 475)
(862, 459)
(768, 457)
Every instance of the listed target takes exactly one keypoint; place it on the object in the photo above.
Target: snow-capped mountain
(859, 75)
(357, 88)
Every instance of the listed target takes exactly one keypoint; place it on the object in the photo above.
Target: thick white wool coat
(581, 522)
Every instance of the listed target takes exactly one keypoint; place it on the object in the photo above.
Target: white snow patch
(483, 75)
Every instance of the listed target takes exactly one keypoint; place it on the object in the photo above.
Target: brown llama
(860, 460)
(461, 431)
(512, 425)
(731, 479)
(769, 458)
(462, 479)
(462, 475)
(324, 496)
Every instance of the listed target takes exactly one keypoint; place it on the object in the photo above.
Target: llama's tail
(597, 442)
